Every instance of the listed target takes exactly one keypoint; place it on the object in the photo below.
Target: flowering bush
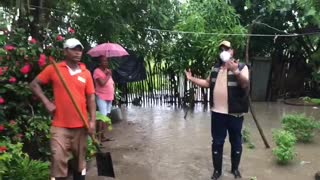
(24, 123)
(21, 59)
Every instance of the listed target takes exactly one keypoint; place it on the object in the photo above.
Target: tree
(292, 65)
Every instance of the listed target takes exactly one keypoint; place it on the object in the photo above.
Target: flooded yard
(157, 143)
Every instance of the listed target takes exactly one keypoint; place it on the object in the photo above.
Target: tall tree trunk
(278, 62)
(37, 20)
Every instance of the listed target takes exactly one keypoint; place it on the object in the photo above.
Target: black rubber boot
(217, 162)
(236, 173)
(216, 175)
(78, 176)
(317, 176)
(235, 161)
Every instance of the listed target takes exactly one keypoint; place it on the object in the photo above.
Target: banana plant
(105, 119)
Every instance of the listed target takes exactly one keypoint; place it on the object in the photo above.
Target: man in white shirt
(229, 87)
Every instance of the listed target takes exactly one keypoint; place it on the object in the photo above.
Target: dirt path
(156, 143)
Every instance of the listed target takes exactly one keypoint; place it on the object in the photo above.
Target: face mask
(225, 56)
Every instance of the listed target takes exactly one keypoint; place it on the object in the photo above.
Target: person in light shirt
(104, 84)
(229, 88)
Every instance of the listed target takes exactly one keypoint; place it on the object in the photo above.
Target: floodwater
(157, 143)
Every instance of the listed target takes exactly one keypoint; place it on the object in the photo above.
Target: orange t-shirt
(80, 85)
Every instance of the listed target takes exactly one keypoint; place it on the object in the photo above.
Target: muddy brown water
(157, 143)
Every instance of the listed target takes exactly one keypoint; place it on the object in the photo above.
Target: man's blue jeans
(220, 125)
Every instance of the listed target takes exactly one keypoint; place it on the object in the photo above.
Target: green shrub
(24, 168)
(105, 119)
(250, 145)
(245, 135)
(91, 149)
(315, 101)
(312, 100)
(301, 126)
(306, 99)
(284, 150)
(246, 138)
(14, 164)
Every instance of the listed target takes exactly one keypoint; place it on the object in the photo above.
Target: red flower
(12, 80)
(1, 128)
(12, 122)
(25, 69)
(59, 38)
(3, 70)
(42, 60)
(71, 31)
(32, 41)
(3, 149)
(2, 101)
(9, 48)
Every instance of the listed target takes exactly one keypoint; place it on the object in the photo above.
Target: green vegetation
(284, 150)
(301, 126)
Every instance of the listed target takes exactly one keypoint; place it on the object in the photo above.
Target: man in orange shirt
(229, 87)
(68, 134)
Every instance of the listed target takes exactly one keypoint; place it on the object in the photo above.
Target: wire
(267, 25)
(204, 33)
(232, 34)
(50, 9)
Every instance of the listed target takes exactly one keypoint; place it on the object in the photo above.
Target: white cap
(225, 43)
(72, 43)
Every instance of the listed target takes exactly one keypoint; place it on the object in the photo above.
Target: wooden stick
(265, 141)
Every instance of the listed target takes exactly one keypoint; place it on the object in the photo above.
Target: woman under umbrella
(104, 84)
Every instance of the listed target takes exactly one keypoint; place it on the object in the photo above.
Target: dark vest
(238, 99)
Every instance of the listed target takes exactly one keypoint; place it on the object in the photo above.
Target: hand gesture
(188, 74)
(232, 65)
(50, 107)
(107, 71)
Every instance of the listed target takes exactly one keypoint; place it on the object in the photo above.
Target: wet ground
(157, 143)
